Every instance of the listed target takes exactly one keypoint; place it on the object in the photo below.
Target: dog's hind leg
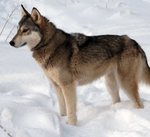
(128, 75)
(131, 89)
(112, 87)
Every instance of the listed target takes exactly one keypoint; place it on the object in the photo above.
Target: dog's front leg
(69, 92)
(61, 100)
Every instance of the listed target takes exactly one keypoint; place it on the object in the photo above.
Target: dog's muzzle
(12, 43)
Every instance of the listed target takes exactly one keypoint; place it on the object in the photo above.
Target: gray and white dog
(75, 59)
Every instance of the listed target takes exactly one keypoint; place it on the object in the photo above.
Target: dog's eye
(25, 30)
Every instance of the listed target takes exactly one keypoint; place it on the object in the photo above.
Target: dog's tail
(146, 72)
(145, 69)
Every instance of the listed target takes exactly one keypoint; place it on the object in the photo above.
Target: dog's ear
(36, 16)
(24, 11)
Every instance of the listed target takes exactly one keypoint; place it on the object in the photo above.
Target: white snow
(28, 104)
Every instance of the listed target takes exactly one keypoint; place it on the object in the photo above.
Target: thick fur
(75, 59)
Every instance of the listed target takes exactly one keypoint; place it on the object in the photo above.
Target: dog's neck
(48, 33)
(51, 40)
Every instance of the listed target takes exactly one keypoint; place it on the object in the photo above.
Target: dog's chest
(58, 75)
(52, 73)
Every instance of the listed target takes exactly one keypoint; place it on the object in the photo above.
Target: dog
(69, 60)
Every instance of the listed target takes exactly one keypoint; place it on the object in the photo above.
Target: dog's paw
(63, 114)
(72, 121)
(139, 105)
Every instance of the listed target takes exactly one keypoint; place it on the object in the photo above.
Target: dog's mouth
(23, 44)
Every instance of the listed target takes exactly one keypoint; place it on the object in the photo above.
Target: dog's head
(29, 31)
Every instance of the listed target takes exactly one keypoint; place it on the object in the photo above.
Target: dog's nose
(12, 43)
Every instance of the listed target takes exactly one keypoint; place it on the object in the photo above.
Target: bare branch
(10, 32)
(7, 133)
(9, 19)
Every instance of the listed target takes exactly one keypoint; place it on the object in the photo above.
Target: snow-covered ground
(28, 105)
